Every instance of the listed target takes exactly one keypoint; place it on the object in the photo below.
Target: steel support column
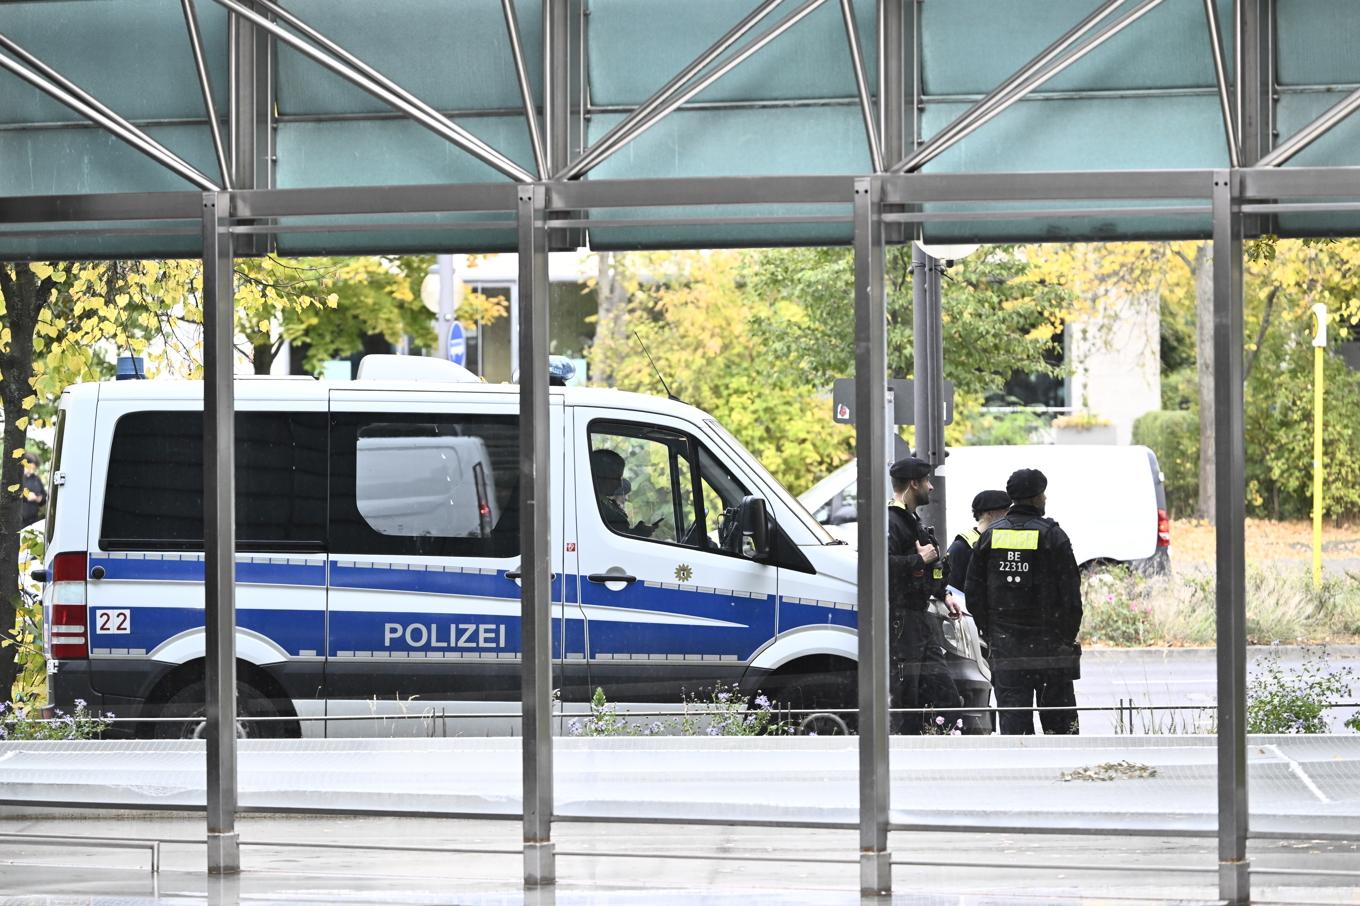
(894, 63)
(557, 82)
(871, 397)
(219, 534)
(898, 88)
(928, 383)
(250, 114)
(1230, 488)
(535, 537)
(1254, 78)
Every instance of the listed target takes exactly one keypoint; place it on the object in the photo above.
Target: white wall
(1115, 353)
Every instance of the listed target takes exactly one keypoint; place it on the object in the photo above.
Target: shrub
(1123, 608)
(725, 712)
(1117, 611)
(1294, 699)
(1004, 428)
(729, 713)
(24, 722)
(1279, 431)
(1174, 437)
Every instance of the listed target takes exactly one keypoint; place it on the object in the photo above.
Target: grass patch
(1124, 609)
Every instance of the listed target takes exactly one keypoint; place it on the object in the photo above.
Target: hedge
(1174, 437)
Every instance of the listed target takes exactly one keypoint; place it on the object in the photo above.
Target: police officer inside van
(1024, 592)
(611, 488)
(918, 672)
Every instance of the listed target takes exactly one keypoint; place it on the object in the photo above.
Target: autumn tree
(697, 316)
(331, 305)
(998, 318)
(62, 323)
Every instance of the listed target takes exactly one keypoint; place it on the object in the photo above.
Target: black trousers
(1026, 687)
(919, 674)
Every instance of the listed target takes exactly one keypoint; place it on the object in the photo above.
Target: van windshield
(776, 489)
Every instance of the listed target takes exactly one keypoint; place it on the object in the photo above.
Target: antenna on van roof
(647, 352)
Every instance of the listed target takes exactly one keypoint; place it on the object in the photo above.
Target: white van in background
(1109, 499)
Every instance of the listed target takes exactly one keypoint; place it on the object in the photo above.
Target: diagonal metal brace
(61, 89)
(332, 56)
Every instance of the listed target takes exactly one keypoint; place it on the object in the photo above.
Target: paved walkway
(1152, 797)
(1169, 781)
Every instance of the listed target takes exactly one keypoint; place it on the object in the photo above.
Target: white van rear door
(667, 611)
(1103, 496)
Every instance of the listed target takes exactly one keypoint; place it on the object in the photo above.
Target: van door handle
(515, 575)
(612, 577)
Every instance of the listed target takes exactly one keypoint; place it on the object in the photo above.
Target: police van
(377, 528)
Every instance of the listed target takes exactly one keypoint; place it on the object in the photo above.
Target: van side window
(659, 484)
(425, 484)
(154, 496)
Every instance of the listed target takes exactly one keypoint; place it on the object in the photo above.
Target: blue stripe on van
(295, 631)
(752, 619)
(436, 582)
(310, 574)
(793, 615)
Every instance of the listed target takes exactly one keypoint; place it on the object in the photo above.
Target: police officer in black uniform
(988, 507)
(1024, 592)
(919, 672)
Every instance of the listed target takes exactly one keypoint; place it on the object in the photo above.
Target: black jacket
(32, 509)
(1023, 582)
(911, 581)
(959, 556)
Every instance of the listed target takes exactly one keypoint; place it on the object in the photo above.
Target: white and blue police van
(377, 531)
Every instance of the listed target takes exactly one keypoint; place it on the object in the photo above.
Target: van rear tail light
(68, 623)
(1163, 529)
(483, 500)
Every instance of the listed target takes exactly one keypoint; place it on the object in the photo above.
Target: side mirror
(755, 528)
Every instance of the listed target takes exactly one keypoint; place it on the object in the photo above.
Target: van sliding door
(423, 622)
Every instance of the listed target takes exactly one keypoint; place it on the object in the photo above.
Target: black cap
(909, 469)
(606, 464)
(986, 501)
(1026, 483)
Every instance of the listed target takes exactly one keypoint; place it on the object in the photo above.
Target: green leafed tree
(998, 319)
(697, 316)
(758, 337)
(338, 303)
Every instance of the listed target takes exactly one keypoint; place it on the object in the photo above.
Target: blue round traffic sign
(457, 348)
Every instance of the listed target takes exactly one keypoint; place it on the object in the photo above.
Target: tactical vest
(1019, 584)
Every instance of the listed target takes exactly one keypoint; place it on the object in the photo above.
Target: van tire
(189, 704)
(821, 683)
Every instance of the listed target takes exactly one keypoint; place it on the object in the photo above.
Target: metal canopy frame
(239, 215)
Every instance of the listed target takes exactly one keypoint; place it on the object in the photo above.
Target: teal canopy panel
(1145, 99)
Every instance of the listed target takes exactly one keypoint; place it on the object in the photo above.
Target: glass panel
(442, 485)
(154, 496)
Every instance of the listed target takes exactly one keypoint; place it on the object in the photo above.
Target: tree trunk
(25, 296)
(1203, 272)
(262, 353)
(611, 324)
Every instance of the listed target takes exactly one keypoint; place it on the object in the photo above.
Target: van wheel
(188, 704)
(823, 691)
